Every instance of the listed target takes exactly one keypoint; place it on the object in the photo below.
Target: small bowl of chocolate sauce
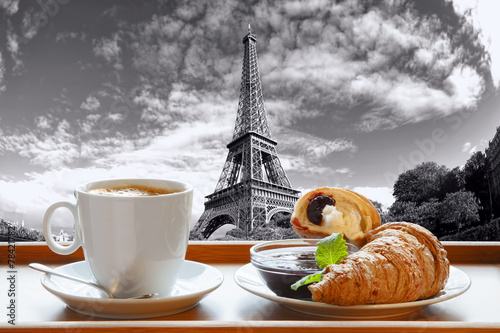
(282, 263)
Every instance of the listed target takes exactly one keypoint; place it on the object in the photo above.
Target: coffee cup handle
(47, 230)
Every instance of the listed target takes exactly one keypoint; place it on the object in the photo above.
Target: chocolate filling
(316, 206)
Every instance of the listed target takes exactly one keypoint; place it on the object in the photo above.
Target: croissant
(327, 210)
(401, 262)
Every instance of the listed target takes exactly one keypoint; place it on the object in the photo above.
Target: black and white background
(356, 92)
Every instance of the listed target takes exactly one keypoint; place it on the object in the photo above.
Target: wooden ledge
(238, 252)
(232, 309)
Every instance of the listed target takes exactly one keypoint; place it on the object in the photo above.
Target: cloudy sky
(355, 91)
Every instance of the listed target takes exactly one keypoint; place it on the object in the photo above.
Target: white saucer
(248, 278)
(196, 280)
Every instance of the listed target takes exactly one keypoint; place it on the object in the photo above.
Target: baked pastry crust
(359, 216)
(402, 262)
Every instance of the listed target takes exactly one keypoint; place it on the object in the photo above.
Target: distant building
(493, 156)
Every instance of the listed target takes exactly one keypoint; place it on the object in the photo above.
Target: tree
(441, 200)
(280, 219)
(266, 233)
(236, 233)
(421, 183)
(377, 205)
(476, 181)
(458, 211)
(425, 214)
(453, 181)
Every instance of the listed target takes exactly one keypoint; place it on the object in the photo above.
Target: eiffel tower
(253, 185)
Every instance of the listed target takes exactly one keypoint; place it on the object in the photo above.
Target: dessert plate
(248, 278)
(195, 281)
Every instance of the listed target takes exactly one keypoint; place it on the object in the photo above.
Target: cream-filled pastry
(327, 210)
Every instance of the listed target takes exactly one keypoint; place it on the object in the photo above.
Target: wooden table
(232, 309)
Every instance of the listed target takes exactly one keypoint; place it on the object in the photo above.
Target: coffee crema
(132, 190)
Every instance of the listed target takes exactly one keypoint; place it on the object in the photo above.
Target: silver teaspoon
(45, 269)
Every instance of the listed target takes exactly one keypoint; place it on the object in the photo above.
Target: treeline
(14, 232)
(454, 204)
(10, 231)
(278, 228)
(447, 202)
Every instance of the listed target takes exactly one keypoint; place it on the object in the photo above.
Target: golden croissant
(401, 262)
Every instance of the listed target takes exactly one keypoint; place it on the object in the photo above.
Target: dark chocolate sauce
(315, 208)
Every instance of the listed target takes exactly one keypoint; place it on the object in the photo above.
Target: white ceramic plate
(196, 280)
(248, 278)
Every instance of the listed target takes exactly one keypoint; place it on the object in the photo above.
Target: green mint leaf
(331, 250)
(316, 277)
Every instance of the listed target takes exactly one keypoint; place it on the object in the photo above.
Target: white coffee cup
(134, 245)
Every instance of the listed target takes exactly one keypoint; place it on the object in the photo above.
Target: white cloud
(100, 148)
(406, 100)
(116, 117)
(49, 150)
(302, 8)
(43, 122)
(185, 105)
(401, 63)
(12, 43)
(155, 108)
(466, 147)
(484, 16)
(2, 73)
(32, 22)
(109, 49)
(53, 151)
(91, 104)
(88, 124)
(465, 86)
(380, 194)
(11, 6)
(64, 36)
(282, 113)
(14, 50)
(187, 153)
(310, 147)
(470, 149)
(29, 199)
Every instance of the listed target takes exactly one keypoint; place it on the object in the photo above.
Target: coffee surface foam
(132, 190)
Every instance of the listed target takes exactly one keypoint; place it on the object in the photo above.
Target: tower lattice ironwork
(253, 185)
